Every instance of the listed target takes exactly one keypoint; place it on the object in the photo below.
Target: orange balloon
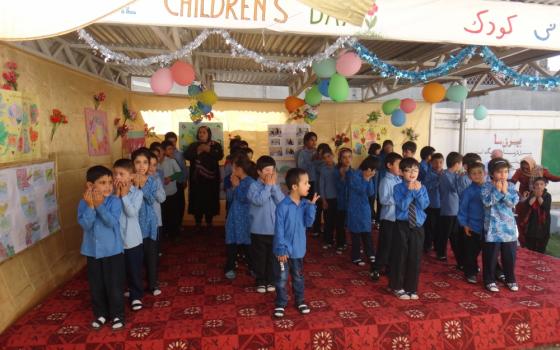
(292, 103)
(433, 92)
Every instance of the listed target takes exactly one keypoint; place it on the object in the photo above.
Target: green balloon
(325, 68)
(338, 88)
(480, 112)
(457, 93)
(389, 106)
(313, 96)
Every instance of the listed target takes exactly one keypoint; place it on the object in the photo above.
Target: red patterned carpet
(200, 309)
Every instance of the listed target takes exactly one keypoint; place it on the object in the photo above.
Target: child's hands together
(414, 185)
(88, 197)
(97, 198)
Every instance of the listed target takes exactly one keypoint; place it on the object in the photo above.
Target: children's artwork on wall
(28, 207)
(285, 140)
(134, 140)
(97, 132)
(187, 133)
(19, 127)
(363, 135)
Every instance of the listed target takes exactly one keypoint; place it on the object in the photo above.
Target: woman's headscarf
(534, 172)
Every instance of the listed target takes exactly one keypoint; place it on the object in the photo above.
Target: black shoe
(374, 275)
(442, 258)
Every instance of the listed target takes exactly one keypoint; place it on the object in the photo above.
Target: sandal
(98, 323)
(117, 323)
(279, 312)
(136, 305)
(303, 309)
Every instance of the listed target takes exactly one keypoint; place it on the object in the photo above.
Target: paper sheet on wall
(363, 135)
(19, 127)
(28, 207)
(187, 133)
(97, 132)
(285, 140)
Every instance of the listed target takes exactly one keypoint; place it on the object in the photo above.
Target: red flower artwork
(10, 76)
(56, 119)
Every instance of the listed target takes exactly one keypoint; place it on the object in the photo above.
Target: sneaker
(492, 287)
(339, 251)
(303, 309)
(413, 296)
(442, 258)
(359, 263)
(127, 294)
(261, 289)
(401, 294)
(230, 275)
(372, 259)
(327, 246)
(513, 287)
(375, 275)
(270, 288)
(156, 292)
(471, 279)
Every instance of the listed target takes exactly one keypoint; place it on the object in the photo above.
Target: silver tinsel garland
(235, 47)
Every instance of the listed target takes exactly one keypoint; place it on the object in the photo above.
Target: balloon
(161, 81)
(408, 105)
(433, 92)
(398, 118)
(207, 97)
(338, 88)
(348, 64)
(183, 73)
(313, 96)
(389, 106)
(457, 93)
(325, 68)
(194, 90)
(292, 103)
(324, 87)
(205, 109)
(480, 112)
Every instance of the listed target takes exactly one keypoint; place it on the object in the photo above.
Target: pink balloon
(408, 105)
(183, 73)
(161, 81)
(348, 64)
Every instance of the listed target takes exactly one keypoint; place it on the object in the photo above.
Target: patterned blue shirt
(359, 210)
(262, 212)
(386, 196)
(431, 181)
(471, 210)
(449, 193)
(403, 198)
(238, 223)
(289, 232)
(102, 233)
(499, 220)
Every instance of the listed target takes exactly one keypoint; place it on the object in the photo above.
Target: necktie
(412, 215)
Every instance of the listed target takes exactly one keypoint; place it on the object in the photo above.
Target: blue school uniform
(147, 216)
(131, 231)
(403, 197)
(341, 190)
(463, 182)
(102, 233)
(305, 161)
(359, 211)
(263, 200)
(327, 182)
(449, 193)
(238, 223)
(291, 222)
(424, 168)
(160, 198)
(431, 181)
(471, 210)
(499, 220)
(386, 196)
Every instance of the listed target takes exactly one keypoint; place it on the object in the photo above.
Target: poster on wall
(187, 133)
(19, 127)
(363, 135)
(134, 140)
(28, 207)
(284, 140)
(97, 132)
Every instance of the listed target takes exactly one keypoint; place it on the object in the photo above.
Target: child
(388, 226)
(374, 149)
(471, 219)
(171, 172)
(499, 198)
(318, 165)
(343, 169)
(131, 233)
(306, 160)
(431, 181)
(264, 195)
(327, 191)
(411, 198)
(98, 214)
(464, 178)
(360, 187)
(387, 148)
(538, 229)
(293, 215)
(449, 200)
(409, 149)
(426, 156)
(159, 198)
(238, 226)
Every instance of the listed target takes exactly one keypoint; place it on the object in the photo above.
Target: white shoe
(270, 288)
(261, 289)
(156, 292)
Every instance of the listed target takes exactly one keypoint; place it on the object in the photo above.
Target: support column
(462, 123)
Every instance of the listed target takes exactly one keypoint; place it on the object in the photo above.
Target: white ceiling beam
(164, 37)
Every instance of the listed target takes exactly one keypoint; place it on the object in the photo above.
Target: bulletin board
(550, 148)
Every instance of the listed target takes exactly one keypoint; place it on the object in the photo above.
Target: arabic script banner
(493, 23)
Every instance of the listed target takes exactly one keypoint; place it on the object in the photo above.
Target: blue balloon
(324, 87)
(398, 118)
(205, 109)
(194, 90)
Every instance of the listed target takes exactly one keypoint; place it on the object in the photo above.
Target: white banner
(479, 22)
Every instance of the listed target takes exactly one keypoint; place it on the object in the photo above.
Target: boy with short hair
(464, 178)
(306, 159)
(327, 191)
(171, 173)
(293, 214)
(99, 212)
(409, 149)
(264, 195)
(182, 179)
(426, 156)
(431, 181)
(131, 198)
(411, 198)
(388, 226)
(159, 199)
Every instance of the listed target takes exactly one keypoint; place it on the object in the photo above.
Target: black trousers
(384, 245)
(537, 244)
(317, 223)
(372, 207)
(170, 214)
(473, 246)
(106, 282)
(262, 258)
(180, 203)
(366, 241)
(449, 230)
(405, 269)
(330, 221)
(208, 218)
(340, 228)
(134, 258)
(151, 257)
(490, 252)
(431, 228)
(231, 252)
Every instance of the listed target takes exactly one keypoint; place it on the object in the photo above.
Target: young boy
(98, 214)
(387, 228)
(171, 172)
(426, 156)
(293, 215)
(181, 179)
(409, 149)
(306, 160)
(411, 198)
(327, 191)
(431, 182)
(464, 178)
(264, 195)
(159, 199)
(131, 233)
(449, 200)
(471, 219)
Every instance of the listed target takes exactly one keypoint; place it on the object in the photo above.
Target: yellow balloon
(207, 97)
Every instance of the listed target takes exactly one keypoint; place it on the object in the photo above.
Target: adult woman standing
(526, 175)
(204, 191)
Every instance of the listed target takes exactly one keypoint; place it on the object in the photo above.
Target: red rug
(200, 309)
